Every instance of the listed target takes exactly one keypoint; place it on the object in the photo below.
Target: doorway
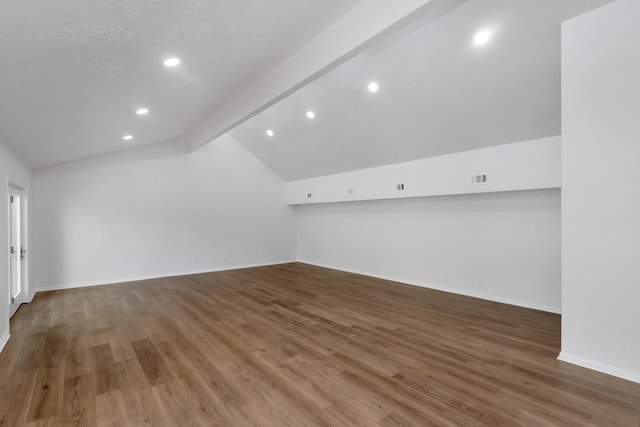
(17, 251)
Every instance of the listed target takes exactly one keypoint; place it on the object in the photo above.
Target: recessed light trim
(373, 87)
(311, 114)
(142, 111)
(172, 62)
(270, 132)
(127, 137)
(482, 37)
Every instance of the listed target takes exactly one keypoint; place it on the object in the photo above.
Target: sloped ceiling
(73, 72)
(439, 93)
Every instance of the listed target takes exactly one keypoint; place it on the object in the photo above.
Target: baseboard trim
(4, 340)
(518, 303)
(493, 298)
(160, 276)
(598, 366)
(30, 296)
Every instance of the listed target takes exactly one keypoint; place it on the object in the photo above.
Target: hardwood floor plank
(31, 351)
(294, 345)
(8, 359)
(79, 406)
(196, 389)
(396, 420)
(151, 362)
(77, 360)
(176, 406)
(52, 421)
(47, 395)
(105, 378)
(111, 410)
(18, 398)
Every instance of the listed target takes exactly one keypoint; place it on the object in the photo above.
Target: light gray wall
(158, 212)
(600, 196)
(499, 246)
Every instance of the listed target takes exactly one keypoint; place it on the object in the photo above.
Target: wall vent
(479, 179)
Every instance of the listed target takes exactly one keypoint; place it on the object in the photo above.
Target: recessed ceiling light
(142, 111)
(373, 87)
(311, 114)
(172, 62)
(481, 37)
(270, 132)
(127, 137)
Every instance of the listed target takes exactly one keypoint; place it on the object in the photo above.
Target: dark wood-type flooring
(293, 345)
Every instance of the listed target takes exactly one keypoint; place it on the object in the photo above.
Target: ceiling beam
(369, 22)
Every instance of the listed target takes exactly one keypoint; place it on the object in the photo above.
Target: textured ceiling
(439, 93)
(73, 72)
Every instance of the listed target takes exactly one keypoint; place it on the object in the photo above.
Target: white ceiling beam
(367, 23)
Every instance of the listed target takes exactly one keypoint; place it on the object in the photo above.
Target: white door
(16, 251)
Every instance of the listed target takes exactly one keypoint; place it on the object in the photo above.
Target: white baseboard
(30, 296)
(157, 276)
(519, 303)
(598, 366)
(4, 340)
(364, 273)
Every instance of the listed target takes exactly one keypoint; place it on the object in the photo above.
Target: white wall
(15, 172)
(158, 212)
(498, 246)
(526, 165)
(600, 196)
(494, 240)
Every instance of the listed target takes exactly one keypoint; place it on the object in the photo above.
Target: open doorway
(17, 250)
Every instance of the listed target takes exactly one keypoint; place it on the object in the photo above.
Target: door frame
(22, 296)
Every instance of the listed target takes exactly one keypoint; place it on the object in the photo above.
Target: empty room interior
(320, 213)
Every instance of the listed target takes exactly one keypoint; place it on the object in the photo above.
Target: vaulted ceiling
(74, 72)
(439, 92)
